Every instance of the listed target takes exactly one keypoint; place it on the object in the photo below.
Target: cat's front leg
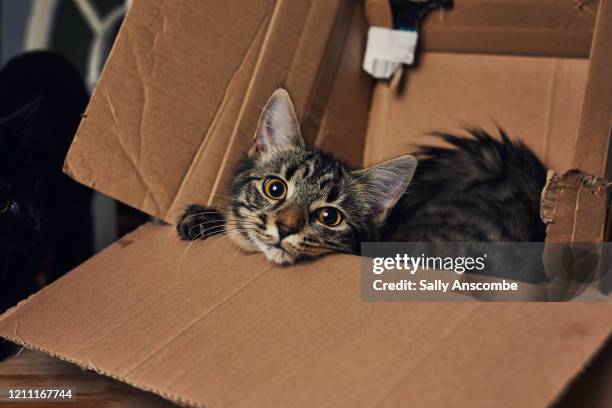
(199, 222)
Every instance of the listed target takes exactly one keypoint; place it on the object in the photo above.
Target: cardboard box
(205, 325)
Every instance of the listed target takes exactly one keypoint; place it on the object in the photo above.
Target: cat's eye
(5, 205)
(274, 188)
(329, 216)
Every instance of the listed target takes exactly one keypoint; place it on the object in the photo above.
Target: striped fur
(479, 189)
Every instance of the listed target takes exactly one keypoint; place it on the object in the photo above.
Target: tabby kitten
(292, 202)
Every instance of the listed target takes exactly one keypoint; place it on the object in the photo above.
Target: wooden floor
(35, 369)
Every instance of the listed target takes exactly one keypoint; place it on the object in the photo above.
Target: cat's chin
(278, 256)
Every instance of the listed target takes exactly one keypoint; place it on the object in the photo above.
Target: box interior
(203, 324)
(534, 99)
(124, 149)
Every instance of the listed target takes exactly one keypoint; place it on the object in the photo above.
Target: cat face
(20, 217)
(295, 202)
(20, 222)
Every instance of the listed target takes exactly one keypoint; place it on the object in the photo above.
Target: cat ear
(22, 115)
(387, 181)
(15, 123)
(278, 125)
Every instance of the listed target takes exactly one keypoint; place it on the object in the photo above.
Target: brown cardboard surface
(378, 13)
(180, 71)
(536, 100)
(210, 104)
(337, 112)
(42, 371)
(595, 129)
(574, 207)
(205, 325)
(556, 28)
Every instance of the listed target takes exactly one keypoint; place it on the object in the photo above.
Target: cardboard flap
(593, 142)
(536, 100)
(205, 325)
(180, 71)
(378, 13)
(553, 28)
(179, 98)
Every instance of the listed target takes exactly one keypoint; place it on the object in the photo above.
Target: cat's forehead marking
(333, 193)
(309, 169)
(326, 181)
(290, 170)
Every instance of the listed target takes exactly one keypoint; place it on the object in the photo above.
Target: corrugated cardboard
(574, 207)
(552, 28)
(188, 91)
(204, 324)
(534, 99)
(596, 114)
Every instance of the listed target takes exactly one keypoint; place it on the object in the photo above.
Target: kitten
(292, 202)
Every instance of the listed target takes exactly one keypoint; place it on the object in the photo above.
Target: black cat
(45, 218)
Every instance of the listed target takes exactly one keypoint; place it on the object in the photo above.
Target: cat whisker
(200, 238)
(207, 231)
(196, 215)
(239, 230)
(172, 231)
(221, 222)
(185, 219)
(249, 239)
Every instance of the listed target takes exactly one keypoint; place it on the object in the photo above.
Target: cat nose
(289, 221)
(284, 230)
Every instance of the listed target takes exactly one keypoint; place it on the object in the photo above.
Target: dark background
(83, 31)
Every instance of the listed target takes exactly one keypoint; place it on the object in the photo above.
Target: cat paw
(199, 222)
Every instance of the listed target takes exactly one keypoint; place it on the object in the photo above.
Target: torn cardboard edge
(574, 179)
(561, 203)
(88, 364)
(570, 371)
(185, 402)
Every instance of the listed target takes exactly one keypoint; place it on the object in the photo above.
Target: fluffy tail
(479, 172)
(481, 159)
